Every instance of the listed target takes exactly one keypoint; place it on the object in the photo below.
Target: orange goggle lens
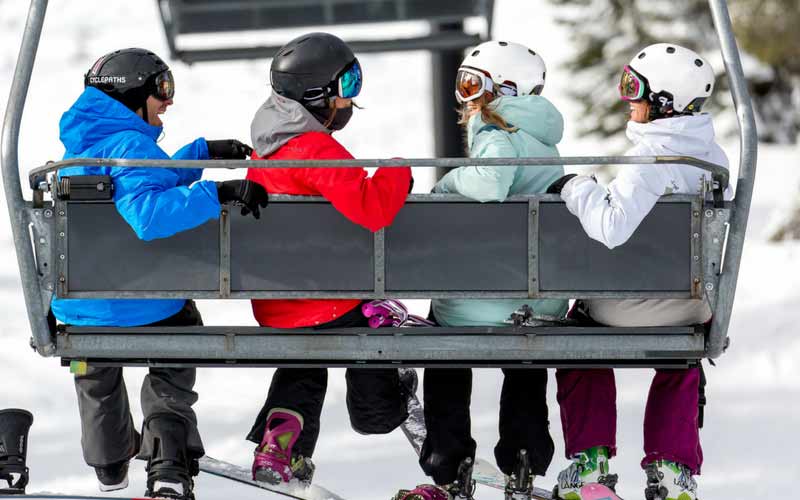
(468, 85)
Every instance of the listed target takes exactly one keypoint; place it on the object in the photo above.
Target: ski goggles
(473, 83)
(631, 86)
(347, 85)
(164, 86)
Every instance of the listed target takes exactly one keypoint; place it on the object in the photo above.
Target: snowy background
(750, 434)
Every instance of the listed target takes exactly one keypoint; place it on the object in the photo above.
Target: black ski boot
(170, 469)
(464, 486)
(520, 483)
(14, 425)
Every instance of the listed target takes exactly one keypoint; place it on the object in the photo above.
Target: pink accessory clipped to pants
(389, 312)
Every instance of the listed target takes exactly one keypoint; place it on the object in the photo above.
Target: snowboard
(293, 489)
(483, 472)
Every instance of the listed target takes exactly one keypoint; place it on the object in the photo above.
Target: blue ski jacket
(539, 128)
(155, 202)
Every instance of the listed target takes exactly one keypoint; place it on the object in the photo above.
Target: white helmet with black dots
(678, 80)
(511, 68)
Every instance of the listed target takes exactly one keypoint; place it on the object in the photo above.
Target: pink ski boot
(273, 457)
(424, 492)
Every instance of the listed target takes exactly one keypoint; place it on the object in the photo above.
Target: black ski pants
(108, 434)
(523, 421)
(376, 402)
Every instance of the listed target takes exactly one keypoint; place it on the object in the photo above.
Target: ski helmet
(130, 76)
(511, 68)
(315, 66)
(673, 79)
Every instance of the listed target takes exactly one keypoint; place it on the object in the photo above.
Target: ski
(293, 489)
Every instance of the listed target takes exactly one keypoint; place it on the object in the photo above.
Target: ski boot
(667, 480)
(112, 477)
(273, 462)
(14, 426)
(424, 492)
(169, 469)
(520, 483)
(588, 468)
(391, 313)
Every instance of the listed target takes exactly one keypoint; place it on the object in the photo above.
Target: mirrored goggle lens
(468, 85)
(165, 86)
(631, 87)
(351, 81)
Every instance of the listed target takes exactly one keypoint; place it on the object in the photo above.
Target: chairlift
(677, 252)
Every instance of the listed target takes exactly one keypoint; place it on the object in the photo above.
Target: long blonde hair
(487, 111)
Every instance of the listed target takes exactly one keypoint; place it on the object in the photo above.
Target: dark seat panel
(300, 246)
(458, 246)
(105, 254)
(656, 258)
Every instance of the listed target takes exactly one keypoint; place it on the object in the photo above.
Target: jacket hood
(279, 120)
(95, 116)
(533, 114)
(682, 135)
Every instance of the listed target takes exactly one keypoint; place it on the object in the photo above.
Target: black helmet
(310, 62)
(130, 76)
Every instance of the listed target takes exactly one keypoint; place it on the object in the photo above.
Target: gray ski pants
(108, 434)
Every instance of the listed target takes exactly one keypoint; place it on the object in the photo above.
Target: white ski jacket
(611, 214)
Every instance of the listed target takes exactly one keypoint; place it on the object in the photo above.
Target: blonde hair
(487, 111)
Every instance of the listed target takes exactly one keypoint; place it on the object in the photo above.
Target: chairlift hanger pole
(11, 181)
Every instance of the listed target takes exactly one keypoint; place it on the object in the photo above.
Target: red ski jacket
(370, 202)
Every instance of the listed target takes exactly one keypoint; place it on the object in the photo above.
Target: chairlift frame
(34, 225)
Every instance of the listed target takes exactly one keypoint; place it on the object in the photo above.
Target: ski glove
(558, 185)
(251, 195)
(228, 149)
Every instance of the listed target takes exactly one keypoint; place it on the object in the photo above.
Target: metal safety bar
(23, 215)
(719, 173)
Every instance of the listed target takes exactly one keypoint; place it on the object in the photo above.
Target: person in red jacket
(314, 79)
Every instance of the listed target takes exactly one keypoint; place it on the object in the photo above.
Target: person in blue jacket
(118, 116)
(504, 116)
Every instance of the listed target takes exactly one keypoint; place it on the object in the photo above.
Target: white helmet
(679, 81)
(513, 69)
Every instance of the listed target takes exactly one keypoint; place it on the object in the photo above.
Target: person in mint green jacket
(504, 116)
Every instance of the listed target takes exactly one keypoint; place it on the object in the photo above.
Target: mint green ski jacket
(540, 127)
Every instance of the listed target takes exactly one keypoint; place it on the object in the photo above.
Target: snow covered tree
(767, 29)
(607, 33)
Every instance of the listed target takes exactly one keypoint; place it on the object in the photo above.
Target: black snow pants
(523, 421)
(375, 401)
(108, 434)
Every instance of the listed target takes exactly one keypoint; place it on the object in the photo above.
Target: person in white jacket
(666, 86)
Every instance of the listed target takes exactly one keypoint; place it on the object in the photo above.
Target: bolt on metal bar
(11, 180)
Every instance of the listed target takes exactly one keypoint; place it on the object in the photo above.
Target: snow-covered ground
(754, 392)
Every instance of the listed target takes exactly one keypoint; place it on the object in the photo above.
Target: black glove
(410, 185)
(558, 185)
(249, 194)
(228, 149)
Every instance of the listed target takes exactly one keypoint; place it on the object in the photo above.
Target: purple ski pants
(588, 400)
